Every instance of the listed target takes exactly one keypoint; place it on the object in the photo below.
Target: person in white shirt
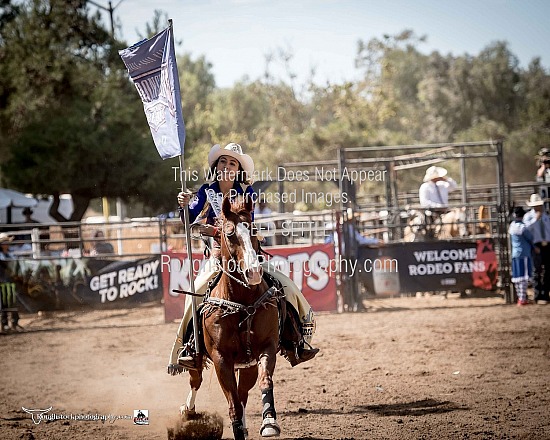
(434, 192)
(434, 195)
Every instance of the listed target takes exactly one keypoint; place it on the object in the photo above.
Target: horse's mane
(240, 204)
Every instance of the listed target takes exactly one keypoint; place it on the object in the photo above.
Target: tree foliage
(70, 120)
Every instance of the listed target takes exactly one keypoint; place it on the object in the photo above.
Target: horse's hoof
(187, 412)
(270, 428)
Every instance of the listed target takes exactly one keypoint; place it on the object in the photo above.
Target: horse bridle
(228, 307)
(234, 278)
(220, 266)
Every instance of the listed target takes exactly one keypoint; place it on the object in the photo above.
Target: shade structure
(13, 199)
(9, 197)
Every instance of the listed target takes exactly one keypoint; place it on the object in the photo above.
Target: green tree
(74, 125)
(533, 131)
(393, 69)
(91, 148)
(535, 113)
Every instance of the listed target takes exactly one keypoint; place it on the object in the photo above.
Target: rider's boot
(306, 354)
(293, 345)
(300, 354)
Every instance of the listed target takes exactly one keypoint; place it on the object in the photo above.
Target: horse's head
(239, 241)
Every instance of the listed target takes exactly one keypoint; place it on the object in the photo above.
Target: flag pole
(151, 63)
(181, 330)
(191, 274)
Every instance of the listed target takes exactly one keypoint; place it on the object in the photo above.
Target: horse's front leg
(266, 367)
(225, 370)
(195, 381)
(247, 379)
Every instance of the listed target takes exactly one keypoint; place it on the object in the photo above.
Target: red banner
(311, 268)
(175, 275)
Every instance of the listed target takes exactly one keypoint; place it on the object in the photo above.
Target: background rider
(434, 192)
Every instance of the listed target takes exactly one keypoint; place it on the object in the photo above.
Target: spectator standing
(25, 239)
(28, 212)
(543, 175)
(538, 223)
(7, 294)
(521, 240)
(100, 245)
(266, 229)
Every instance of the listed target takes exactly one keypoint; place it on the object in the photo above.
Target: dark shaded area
(416, 408)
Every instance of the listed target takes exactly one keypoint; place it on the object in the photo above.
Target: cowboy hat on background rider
(230, 169)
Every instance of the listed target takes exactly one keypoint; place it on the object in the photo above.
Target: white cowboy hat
(434, 172)
(5, 237)
(233, 150)
(535, 200)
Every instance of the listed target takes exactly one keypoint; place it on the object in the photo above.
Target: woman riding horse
(230, 170)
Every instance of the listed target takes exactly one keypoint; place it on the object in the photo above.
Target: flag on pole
(152, 67)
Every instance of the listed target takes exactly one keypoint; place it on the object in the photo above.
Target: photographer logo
(141, 417)
(36, 413)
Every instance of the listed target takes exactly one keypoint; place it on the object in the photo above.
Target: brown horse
(240, 324)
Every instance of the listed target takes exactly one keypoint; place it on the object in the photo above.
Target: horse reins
(230, 307)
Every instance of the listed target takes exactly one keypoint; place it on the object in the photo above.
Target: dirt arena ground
(408, 368)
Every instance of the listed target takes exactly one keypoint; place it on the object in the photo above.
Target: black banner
(71, 283)
(428, 266)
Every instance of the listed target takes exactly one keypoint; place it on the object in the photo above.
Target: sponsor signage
(310, 267)
(429, 266)
(70, 283)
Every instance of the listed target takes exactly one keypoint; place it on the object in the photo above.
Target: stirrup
(188, 362)
(187, 359)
